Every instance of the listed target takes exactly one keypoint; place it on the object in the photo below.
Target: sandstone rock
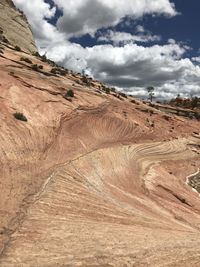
(87, 182)
(82, 184)
(14, 27)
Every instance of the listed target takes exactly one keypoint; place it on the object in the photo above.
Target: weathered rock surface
(15, 28)
(95, 181)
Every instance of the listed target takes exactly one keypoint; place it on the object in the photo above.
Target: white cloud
(130, 66)
(121, 38)
(36, 12)
(87, 16)
(196, 59)
(134, 67)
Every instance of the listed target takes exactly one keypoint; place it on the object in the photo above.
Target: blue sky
(182, 28)
(131, 46)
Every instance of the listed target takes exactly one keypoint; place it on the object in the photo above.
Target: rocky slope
(96, 179)
(14, 27)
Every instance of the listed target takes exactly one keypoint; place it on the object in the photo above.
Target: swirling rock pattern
(97, 181)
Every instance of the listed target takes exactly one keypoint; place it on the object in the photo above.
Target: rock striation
(92, 177)
(14, 27)
(91, 180)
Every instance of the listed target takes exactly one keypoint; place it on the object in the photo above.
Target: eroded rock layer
(93, 180)
(14, 27)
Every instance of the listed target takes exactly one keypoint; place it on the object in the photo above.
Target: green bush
(63, 72)
(85, 80)
(35, 67)
(36, 54)
(123, 95)
(44, 58)
(107, 90)
(17, 48)
(113, 89)
(20, 116)
(70, 93)
(53, 71)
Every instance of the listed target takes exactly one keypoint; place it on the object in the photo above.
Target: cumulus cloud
(130, 66)
(87, 16)
(196, 59)
(122, 38)
(133, 67)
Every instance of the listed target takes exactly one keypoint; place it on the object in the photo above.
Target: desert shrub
(35, 67)
(53, 71)
(113, 89)
(40, 67)
(133, 101)
(20, 116)
(85, 80)
(59, 71)
(123, 95)
(17, 48)
(44, 58)
(107, 90)
(69, 93)
(25, 59)
(63, 72)
(36, 54)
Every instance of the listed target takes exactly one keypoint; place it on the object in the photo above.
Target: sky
(128, 44)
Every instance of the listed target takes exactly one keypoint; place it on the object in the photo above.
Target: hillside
(94, 179)
(89, 175)
(14, 28)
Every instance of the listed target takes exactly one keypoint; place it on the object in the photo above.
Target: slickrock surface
(15, 28)
(97, 181)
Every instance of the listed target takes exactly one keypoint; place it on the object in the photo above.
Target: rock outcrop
(88, 176)
(14, 27)
(91, 180)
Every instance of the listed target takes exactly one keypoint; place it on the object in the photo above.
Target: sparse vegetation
(17, 48)
(194, 102)
(20, 116)
(69, 93)
(44, 58)
(63, 72)
(133, 101)
(59, 70)
(85, 80)
(150, 91)
(112, 89)
(123, 94)
(36, 54)
(25, 59)
(35, 67)
(106, 89)
(53, 71)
